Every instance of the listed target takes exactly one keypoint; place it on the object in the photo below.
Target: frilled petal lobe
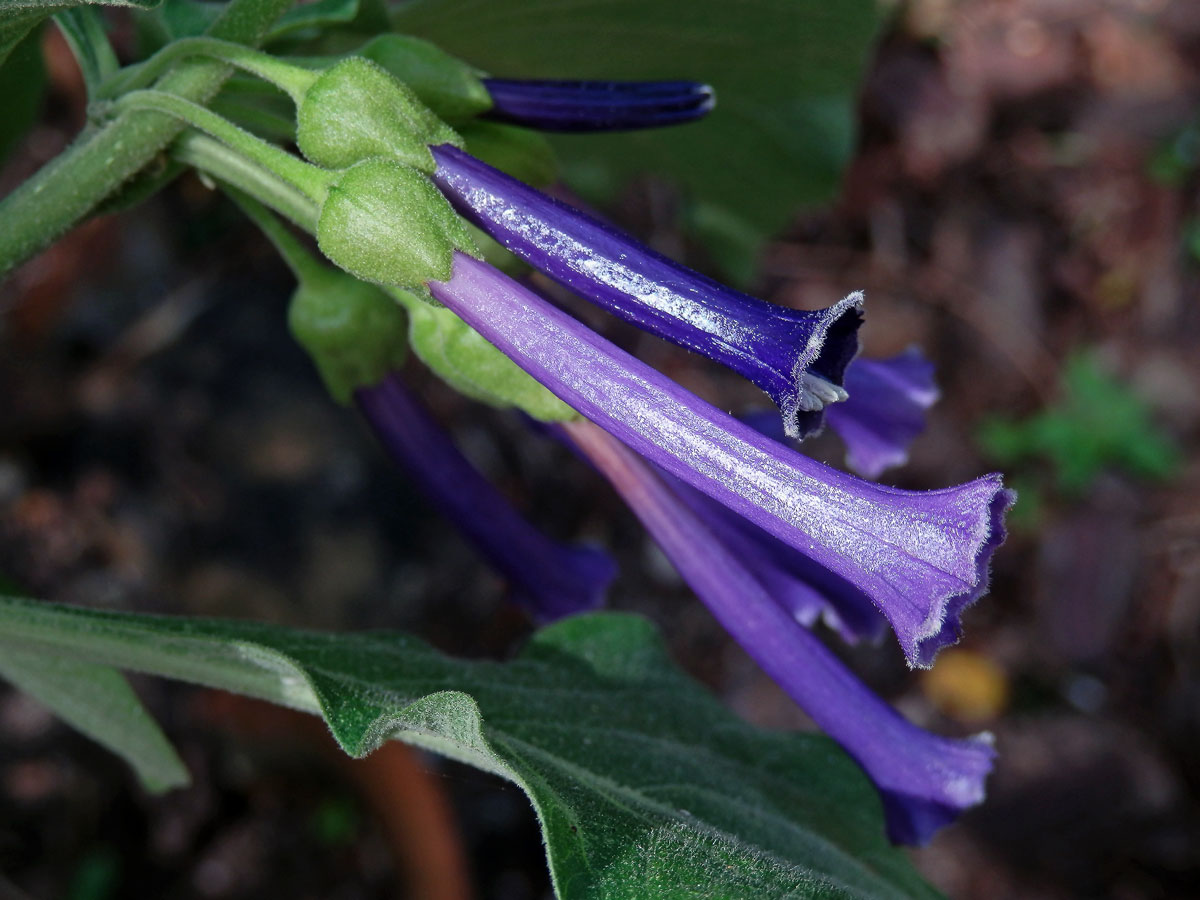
(921, 557)
(885, 410)
(597, 105)
(797, 357)
(550, 579)
(925, 781)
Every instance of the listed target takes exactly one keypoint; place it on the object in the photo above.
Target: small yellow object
(966, 686)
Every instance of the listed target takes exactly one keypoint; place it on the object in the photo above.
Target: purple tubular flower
(883, 414)
(797, 357)
(885, 410)
(921, 557)
(924, 780)
(597, 105)
(550, 579)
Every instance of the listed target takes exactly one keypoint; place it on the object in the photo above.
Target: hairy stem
(310, 179)
(69, 187)
(291, 79)
(222, 162)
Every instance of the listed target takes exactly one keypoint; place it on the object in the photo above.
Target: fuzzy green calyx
(445, 84)
(356, 110)
(354, 332)
(386, 223)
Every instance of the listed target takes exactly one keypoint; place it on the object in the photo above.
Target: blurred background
(1023, 202)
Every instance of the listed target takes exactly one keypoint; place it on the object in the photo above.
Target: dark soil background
(1026, 186)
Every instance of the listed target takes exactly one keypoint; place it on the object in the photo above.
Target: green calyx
(386, 223)
(445, 84)
(354, 332)
(356, 110)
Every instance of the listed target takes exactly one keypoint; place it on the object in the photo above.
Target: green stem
(293, 80)
(310, 179)
(69, 187)
(295, 254)
(227, 165)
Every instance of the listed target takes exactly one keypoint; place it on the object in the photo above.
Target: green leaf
(19, 17)
(321, 14)
(465, 360)
(786, 74)
(96, 700)
(22, 85)
(643, 784)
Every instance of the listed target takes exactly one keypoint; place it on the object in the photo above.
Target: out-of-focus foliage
(1097, 424)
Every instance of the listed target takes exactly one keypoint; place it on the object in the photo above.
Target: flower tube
(925, 781)
(596, 105)
(921, 557)
(550, 579)
(797, 357)
(807, 590)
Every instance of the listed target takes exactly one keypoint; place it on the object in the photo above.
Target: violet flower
(921, 557)
(597, 105)
(924, 780)
(883, 414)
(797, 357)
(550, 579)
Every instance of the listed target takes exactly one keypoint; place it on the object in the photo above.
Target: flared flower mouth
(797, 356)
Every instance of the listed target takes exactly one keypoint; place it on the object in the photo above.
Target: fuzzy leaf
(643, 784)
(19, 17)
(98, 701)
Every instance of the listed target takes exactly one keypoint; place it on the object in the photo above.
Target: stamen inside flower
(814, 393)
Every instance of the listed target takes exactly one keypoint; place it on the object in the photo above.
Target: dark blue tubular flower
(924, 780)
(797, 357)
(597, 105)
(921, 557)
(550, 579)
(883, 414)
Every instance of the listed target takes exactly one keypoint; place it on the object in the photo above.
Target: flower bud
(354, 332)
(385, 222)
(445, 84)
(356, 110)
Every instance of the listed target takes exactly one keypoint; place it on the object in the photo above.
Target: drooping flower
(920, 557)
(797, 357)
(550, 579)
(883, 414)
(925, 781)
(596, 105)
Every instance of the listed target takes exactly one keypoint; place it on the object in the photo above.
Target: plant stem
(312, 180)
(69, 187)
(294, 80)
(225, 164)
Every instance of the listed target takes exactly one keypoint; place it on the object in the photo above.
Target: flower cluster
(771, 540)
